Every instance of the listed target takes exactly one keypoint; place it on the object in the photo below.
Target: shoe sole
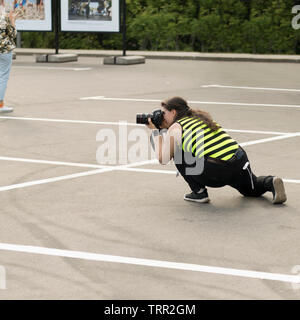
(280, 195)
(6, 111)
(205, 200)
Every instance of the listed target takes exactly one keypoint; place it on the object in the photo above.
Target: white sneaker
(6, 109)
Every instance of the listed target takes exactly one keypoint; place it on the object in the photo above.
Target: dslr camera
(157, 117)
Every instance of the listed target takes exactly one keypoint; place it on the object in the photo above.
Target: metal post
(19, 40)
(124, 27)
(56, 25)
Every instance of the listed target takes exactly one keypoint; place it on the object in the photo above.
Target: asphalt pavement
(74, 228)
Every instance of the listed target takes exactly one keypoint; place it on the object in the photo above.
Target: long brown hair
(183, 110)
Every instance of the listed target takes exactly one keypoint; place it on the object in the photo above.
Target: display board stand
(57, 57)
(124, 59)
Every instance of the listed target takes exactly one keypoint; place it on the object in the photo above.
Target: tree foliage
(249, 26)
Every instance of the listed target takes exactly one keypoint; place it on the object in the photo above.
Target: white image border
(91, 25)
(37, 25)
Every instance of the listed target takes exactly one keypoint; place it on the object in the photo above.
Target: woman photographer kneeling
(206, 156)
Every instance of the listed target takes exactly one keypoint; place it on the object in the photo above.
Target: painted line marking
(75, 175)
(58, 163)
(119, 99)
(55, 179)
(149, 170)
(73, 121)
(150, 263)
(88, 165)
(197, 102)
(114, 123)
(249, 88)
(130, 169)
(291, 181)
(175, 172)
(286, 136)
(53, 68)
(92, 98)
(257, 131)
(102, 169)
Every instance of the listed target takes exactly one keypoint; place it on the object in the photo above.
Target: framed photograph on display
(33, 15)
(90, 16)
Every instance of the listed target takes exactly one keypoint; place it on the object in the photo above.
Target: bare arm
(11, 29)
(12, 18)
(165, 144)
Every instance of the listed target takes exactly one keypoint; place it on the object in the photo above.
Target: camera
(157, 117)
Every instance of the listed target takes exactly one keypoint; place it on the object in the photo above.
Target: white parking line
(75, 175)
(249, 88)
(122, 123)
(102, 169)
(197, 102)
(110, 123)
(119, 99)
(58, 163)
(53, 68)
(291, 181)
(55, 179)
(286, 136)
(256, 131)
(150, 263)
(173, 172)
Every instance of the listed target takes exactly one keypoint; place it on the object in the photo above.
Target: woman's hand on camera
(150, 125)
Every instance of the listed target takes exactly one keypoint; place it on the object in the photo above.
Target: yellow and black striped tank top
(202, 141)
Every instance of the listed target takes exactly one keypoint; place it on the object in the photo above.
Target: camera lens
(142, 118)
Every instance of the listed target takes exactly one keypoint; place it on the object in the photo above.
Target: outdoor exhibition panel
(90, 16)
(32, 15)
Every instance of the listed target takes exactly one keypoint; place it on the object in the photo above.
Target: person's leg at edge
(243, 180)
(5, 66)
(261, 185)
(249, 185)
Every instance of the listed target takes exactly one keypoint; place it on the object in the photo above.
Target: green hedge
(249, 26)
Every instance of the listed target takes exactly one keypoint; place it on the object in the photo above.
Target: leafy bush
(250, 26)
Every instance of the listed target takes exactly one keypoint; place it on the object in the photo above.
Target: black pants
(234, 172)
